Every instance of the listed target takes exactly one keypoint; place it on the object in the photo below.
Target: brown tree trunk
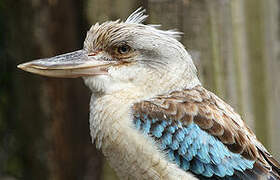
(50, 127)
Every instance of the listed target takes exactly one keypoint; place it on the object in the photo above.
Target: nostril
(94, 53)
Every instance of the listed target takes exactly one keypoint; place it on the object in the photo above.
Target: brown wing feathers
(212, 115)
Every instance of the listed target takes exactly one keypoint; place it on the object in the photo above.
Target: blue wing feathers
(171, 155)
(209, 171)
(220, 170)
(166, 139)
(157, 130)
(177, 159)
(137, 123)
(183, 148)
(185, 164)
(203, 155)
(174, 145)
(197, 167)
(146, 126)
(171, 129)
(193, 149)
(179, 135)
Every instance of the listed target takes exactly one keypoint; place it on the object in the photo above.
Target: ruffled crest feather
(137, 16)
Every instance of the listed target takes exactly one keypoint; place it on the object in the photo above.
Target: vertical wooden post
(241, 62)
(256, 44)
(272, 61)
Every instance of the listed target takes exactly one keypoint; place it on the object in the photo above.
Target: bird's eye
(124, 49)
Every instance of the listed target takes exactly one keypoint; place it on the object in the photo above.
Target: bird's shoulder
(212, 115)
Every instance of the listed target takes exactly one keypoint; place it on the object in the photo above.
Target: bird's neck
(106, 110)
(153, 87)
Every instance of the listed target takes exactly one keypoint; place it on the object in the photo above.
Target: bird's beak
(75, 64)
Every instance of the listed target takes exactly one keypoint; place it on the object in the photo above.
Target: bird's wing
(203, 134)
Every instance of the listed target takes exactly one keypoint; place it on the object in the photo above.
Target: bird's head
(125, 56)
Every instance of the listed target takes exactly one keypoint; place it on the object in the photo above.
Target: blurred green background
(44, 131)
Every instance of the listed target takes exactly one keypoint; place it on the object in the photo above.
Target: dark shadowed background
(44, 130)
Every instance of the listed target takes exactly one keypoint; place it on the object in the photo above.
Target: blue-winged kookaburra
(149, 113)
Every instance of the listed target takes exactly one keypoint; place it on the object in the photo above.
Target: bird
(149, 113)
